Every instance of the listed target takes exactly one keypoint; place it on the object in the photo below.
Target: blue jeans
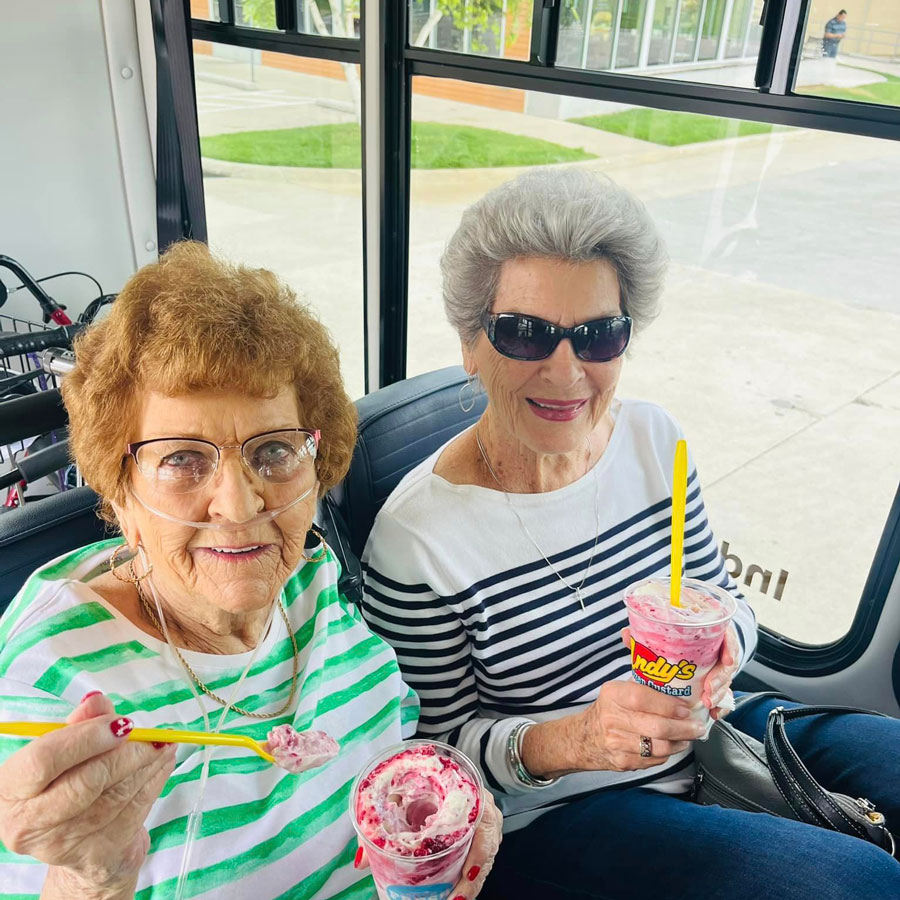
(636, 843)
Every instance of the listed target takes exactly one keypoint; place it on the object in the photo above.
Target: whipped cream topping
(297, 751)
(417, 803)
(652, 599)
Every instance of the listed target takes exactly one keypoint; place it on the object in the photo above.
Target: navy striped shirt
(489, 636)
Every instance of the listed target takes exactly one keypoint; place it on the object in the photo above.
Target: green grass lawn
(884, 92)
(672, 129)
(434, 146)
(675, 128)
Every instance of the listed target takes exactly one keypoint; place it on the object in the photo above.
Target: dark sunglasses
(530, 338)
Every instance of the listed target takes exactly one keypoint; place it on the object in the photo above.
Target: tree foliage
(480, 15)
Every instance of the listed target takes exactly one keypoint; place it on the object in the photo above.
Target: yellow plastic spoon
(679, 502)
(149, 735)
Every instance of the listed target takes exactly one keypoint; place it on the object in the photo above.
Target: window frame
(346, 50)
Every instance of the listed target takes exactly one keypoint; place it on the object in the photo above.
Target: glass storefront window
(738, 28)
(713, 41)
(777, 343)
(712, 28)
(585, 34)
(631, 20)
(688, 27)
(663, 32)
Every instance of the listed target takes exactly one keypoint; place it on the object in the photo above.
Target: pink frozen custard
(298, 751)
(415, 808)
(674, 647)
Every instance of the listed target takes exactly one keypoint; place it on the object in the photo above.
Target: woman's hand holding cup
(76, 799)
(485, 845)
(616, 726)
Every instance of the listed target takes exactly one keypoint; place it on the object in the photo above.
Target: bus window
(280, 144)
(777, 343)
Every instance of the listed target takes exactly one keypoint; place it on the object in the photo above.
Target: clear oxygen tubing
(267, 515)
(196, 815)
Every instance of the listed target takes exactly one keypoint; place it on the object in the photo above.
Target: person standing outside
(835, 30)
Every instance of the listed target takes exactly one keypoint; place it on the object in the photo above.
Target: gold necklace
(145, 603)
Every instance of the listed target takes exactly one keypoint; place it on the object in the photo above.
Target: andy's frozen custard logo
(657, 672)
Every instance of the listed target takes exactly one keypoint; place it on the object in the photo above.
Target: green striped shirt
(265, 833)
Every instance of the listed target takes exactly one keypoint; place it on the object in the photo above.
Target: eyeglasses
(529, 338)
(183, 465)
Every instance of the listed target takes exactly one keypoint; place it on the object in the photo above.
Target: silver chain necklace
(577, 591)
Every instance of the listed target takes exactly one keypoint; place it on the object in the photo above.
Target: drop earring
(467, 395)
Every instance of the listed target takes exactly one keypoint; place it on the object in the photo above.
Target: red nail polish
(121, 727)
(90, 694)
(159, 744)
(472, 874)
(358, 859)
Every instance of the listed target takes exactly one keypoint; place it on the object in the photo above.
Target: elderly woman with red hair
(208, 413)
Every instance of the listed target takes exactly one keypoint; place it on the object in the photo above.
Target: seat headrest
(399, 426)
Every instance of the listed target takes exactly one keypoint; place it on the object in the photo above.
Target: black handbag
(738, 772)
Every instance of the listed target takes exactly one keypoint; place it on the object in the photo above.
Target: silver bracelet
(514, 758)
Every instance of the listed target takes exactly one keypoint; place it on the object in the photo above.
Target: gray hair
(558, 213)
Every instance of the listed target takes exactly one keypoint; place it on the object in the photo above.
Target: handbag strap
(807, 798)
(804, 711)
(810, 802)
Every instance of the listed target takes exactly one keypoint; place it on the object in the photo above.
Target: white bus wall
(77, 182)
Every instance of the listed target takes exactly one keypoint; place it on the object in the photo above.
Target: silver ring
(646, 747)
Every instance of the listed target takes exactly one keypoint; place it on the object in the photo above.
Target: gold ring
(646, 747)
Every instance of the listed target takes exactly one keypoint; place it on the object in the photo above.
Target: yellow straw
(679, 502)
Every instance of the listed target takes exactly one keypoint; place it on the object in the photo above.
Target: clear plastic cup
(410, 877)
(669, 652)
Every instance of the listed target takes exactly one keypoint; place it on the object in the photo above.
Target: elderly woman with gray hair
(496, 571)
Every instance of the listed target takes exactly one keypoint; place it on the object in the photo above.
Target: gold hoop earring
(113, 563)
(322, 553)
